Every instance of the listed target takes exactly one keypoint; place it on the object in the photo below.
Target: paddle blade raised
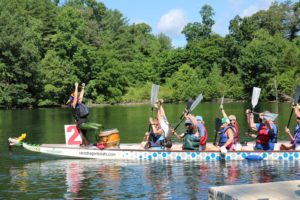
(154, 93)
(196, 102)
(297, 94)
(255, 96)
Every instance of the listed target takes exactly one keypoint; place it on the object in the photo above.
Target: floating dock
(282, 190)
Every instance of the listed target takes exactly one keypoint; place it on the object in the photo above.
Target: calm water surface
(27, 175)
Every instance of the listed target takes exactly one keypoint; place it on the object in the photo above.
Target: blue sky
(170, 16)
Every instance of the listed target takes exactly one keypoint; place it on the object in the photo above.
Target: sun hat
(225, 120)
(199, 118)
(188, 122)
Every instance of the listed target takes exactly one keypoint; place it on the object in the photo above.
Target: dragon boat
(110, 148)
(136, 152)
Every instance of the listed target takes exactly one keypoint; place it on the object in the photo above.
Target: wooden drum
(110, 137)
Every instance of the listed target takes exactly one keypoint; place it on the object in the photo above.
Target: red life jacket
(263, 136)
(236, 127)
(204, 138)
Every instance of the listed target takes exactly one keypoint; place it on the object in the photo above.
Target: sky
(170, 16)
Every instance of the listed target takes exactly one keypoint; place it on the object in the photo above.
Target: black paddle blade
(297, 94)
(218, 123)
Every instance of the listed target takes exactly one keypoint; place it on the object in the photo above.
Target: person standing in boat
(80, 113)
(295, 138)
(191, 137)
(202, 132)
(233, 122)
(266, 131)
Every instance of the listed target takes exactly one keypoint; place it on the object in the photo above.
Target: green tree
(197, 30)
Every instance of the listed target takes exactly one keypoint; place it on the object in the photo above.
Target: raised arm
(223, 111)
(81, 93)
(250, 120)
(74, 102)
(195, 123)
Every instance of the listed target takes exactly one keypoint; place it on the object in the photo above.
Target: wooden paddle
(190, 107)
(295, 101)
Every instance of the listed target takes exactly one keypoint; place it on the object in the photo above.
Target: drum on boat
(109, 137)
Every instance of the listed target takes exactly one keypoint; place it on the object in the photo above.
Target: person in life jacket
(154, 136)
(190, 137)
(233, 122)
(80, 113)
(266, 130)
(160, 134)
(203, 132)
(227, 135)
(295, 138)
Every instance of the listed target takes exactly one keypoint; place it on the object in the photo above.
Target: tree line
(46, 47)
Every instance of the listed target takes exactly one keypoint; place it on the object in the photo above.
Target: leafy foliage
(45, 47)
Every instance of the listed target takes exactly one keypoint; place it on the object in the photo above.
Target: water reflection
(86, 179)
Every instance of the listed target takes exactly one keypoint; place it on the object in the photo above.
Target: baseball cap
(225, 120)
(188, 122)
(199, 118)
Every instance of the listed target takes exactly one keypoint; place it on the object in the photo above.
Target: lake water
(28, 175)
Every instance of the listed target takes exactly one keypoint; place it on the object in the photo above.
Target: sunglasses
(298, 118)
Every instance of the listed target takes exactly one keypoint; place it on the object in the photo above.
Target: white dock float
(262, 191)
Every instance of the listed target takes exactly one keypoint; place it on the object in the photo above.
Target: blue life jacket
(297, 134)
(82, 110)
(274, 134)
(224, 136)
(155, 139)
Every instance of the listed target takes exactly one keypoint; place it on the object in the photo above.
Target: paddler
(191, 137)
(266, 131)
(233, 122)
(80, 113)
(295, 138)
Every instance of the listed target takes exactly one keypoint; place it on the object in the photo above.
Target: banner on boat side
(72, 135)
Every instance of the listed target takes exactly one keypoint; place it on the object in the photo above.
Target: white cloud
(249, 11)
(262, 5)
(172, 22)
